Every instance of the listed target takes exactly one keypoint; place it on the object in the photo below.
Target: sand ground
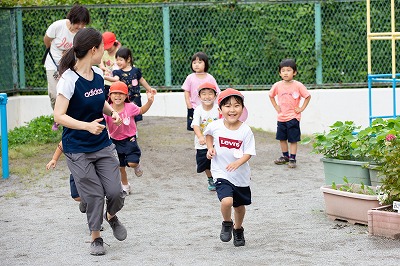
(172, 219)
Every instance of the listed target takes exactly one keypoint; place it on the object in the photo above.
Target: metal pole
(318, 37)
(167, 46)
(21, 63)
(4, 135)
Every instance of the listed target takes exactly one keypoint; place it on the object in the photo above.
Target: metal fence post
(167, 46)
(21, 56)
(4, 135)
(318, 38)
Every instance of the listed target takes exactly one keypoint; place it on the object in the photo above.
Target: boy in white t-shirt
(230, 145)
(204, 114)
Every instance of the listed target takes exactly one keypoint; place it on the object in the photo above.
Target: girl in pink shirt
(199, 76)
(124, 135)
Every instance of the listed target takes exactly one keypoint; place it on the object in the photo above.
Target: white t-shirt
(62, 41)
(229, 145)
(202, 118)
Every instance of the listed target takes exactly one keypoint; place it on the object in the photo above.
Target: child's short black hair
(202, 57)
(227, 99)
(288, 63)
(124, 53)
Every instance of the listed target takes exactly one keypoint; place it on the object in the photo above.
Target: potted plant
(339, 157)
(349, 202)
(372, 143)
(384, 221)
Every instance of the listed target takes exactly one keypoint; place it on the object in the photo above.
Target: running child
(108, 61)
(289, 93)
(124, 136)
(231, 144)
(199, 66)
(131, 76)
(204, 114)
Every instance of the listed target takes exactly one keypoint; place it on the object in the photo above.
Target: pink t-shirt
(128, 127)
(289, 96)
(191, 84)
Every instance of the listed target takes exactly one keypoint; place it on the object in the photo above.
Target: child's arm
(187, 100)
(210, 146)
(305, 103)
(150, 100)
(146, 85)
(197, 131)
(102, 66)
(56, 156)
(275, 105)
(112, 79)
(239, 162)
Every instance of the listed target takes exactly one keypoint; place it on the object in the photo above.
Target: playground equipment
(384, 78)
(4, 135)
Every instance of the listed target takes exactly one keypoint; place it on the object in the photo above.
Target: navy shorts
(202, 162)
(128, 151)
(241, 195)
(289, 130)
(72, 186)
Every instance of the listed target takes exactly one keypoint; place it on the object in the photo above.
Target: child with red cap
(204, 114)
(108, 61)
(231, 144)
(124, 135)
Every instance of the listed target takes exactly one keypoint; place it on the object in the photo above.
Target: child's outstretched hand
(150, 96)
(153, 91)
(51, 164)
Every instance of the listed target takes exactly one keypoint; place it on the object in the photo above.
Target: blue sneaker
(211, 185)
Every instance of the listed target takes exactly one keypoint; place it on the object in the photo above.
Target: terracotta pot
(384, 223)
(348, 206)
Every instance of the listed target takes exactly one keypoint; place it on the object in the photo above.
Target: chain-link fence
(244, 40)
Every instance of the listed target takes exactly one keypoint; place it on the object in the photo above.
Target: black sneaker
(292, 163)
(238, 237)
(82, 207)
(97, 248)
(282, 160)
(119, 230)
(226, 231)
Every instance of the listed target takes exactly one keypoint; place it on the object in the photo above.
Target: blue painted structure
(4, 135)
(387, 78)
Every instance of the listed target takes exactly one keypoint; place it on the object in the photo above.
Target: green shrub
(37, 131)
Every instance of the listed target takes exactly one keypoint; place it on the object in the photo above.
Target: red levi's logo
(230, 143)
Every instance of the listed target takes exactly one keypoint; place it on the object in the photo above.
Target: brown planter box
(384, 223)
(348, 206)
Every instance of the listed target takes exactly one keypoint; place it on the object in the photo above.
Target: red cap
(109, 39)
(120, 87)
(229, 92)
(207, 85)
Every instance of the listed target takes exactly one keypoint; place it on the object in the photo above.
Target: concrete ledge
(326, 107)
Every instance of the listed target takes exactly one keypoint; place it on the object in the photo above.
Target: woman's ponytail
(67, 60)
